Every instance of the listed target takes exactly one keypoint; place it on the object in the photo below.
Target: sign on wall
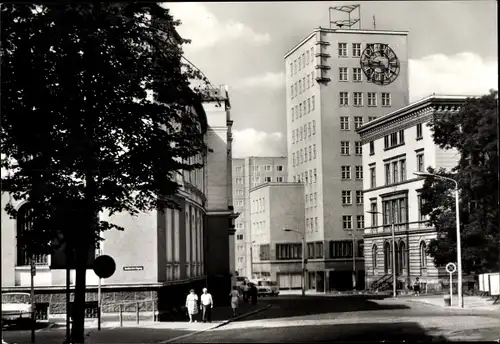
(133, 268)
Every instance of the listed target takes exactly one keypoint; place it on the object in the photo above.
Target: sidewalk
(131, 332)
(470, 302)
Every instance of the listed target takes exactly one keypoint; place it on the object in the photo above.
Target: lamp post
(459, 245)
(393, 253)
(354, 273)
(251, 259)
(303, 280)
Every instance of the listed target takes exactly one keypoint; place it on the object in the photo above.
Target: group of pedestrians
(205, 305)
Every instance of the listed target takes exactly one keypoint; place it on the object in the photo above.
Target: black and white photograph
(249, 172)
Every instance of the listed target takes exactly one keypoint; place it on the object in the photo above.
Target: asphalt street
(322, 319)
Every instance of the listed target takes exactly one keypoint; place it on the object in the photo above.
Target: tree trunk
(78, 311)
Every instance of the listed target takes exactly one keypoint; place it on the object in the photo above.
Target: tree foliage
(472, 133)
(79, 132)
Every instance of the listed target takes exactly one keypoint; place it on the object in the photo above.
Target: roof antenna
(349, 23)
(374, 25)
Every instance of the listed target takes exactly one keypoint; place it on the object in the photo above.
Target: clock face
(380, 64)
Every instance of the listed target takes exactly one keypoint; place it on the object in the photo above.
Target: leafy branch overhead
(95, 95)
(472, 133)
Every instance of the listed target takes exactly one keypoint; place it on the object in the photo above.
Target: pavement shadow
(369, 332)
(24, 325)
(286, 307)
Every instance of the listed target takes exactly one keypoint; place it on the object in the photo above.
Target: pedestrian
(207, 303)
(192, 305)
(235, 298)
(416, 286)
(245, 292)
(253, 293)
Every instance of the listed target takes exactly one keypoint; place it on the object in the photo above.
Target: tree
(79, 133)
(472, 132)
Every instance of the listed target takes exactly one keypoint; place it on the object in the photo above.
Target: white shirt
(206, 299)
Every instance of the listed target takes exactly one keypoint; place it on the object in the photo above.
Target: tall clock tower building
(328, 96)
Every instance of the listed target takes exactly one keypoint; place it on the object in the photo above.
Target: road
(310, 319)
(322, 319)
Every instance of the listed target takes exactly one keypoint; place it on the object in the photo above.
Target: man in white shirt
(207, 304)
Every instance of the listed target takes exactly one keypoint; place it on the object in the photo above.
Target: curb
(215, 326)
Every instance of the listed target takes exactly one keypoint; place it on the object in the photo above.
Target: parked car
(16, 307)
(267, 288)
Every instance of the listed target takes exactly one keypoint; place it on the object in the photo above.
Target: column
(177, 244)
(169, 244)
(200, 241)
(188, 240)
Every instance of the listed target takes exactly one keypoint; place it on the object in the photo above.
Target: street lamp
(393, 253)
(251, 259)
(303, 280)
(459, 245)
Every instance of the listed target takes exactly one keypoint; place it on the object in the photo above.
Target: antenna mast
(346, 22)
(374, 26)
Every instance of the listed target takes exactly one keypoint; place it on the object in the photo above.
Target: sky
(452, 50)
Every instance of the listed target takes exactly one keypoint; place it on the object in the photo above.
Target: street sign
(104, 266)
(451, 268)
(33, 268)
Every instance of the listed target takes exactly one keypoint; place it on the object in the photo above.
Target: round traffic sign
(451, 268)
(104, 266)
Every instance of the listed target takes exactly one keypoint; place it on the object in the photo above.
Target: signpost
(451, 268)
(104, 267)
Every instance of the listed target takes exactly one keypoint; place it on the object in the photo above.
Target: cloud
(267, 80)
(460, 74)
(250, 142)
(205, 30)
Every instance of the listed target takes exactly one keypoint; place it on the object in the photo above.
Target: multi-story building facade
(275, 253)
(394, 147)
(161, 254)
(328, 97)
(247, 173)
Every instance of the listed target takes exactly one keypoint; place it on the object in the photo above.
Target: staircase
(382, 284)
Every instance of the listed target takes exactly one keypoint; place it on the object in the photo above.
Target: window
(358, 148)
(239, 180)
(239, 169)
(309, 129)
(372, 147)
(316, 227)
(239, 237)
(401, 137)
(371, 118)
(374, 256)
(343, 74)
(303, 60)
(358, 122)
(264, 252)
(419, 131)
(341, 249)
(239, 203)
(358, 98)
(288, 251)
(312, 54)
(300, 86)
(344, 123)
(314, 151)
(342, 49)
(24, 225)
(268, 168)
(291, 68)
(315, 174)
(359, 172)
(386, 99)
(279, 179)
(256, 168)
(307, 57)
(267, 179)
(345, 147)
(423, 255)
(372, 99)
(421, 217)
(315, 199)
(374, 213)
(318, 250)
(301, 133)
(387, 168)
(312, 100)
(357, 75)
(402, 170)
(308, 105)
(356, 50)
(344, 99)
(394, 139)
(373, 182)
(387, 257)
(239, 192)
(403, 257)
(347, 222)
(346, 172)
(395, 172)
(305, 154)
(279, 168)
(359, 197)
(394, 210)
(360, 221)
(420, 162)
(346, 197)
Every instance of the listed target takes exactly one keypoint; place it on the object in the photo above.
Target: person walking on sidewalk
(245, 292)
(192, 305)
(207, 303)
(235, 298)
(416, 287)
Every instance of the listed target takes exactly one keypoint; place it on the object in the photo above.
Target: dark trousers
(207, 313)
